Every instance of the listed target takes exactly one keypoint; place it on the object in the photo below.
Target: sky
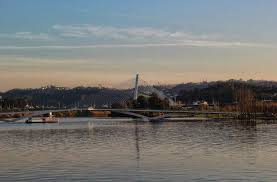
(91, 42)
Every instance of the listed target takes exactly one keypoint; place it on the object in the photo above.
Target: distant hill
(60, 96)
(219, 91)
(202, 85)
(224, 91)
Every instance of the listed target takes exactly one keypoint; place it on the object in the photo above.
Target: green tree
(156, 103)
(141, 102)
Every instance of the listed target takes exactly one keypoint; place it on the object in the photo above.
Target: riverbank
(109, 114)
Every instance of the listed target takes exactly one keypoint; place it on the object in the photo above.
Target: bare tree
(246, 102)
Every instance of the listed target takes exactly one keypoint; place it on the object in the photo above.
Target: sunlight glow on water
(129, 151)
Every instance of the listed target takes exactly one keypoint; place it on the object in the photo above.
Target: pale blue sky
(87, 42)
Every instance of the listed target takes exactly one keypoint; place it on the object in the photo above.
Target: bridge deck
(40, 112)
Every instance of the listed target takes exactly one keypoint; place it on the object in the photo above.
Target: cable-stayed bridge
(138, 86)
(134, 88)
(136, 113)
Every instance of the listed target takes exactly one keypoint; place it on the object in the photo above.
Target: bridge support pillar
(136, 87)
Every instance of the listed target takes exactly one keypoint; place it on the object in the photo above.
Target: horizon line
(155, 84)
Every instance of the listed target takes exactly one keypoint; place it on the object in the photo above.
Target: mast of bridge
(136, 87)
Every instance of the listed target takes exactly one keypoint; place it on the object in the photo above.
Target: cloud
(31, 36)
(126, 37)
(144, 37)
(184, 44)
(27, 36)
(129, 33)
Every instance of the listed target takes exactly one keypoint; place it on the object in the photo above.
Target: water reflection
(137, 142)
(136, 151)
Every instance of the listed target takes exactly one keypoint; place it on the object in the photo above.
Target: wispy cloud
(129, 33)
(127, 37)
(32, 36)
(146, 37)
(27, 36)
(184, 44)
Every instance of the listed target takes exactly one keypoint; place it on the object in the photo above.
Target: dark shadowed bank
(233, 95)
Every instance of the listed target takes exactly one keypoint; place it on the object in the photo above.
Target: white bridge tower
(136, 87)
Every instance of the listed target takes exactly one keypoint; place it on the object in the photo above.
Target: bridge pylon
(136, 87)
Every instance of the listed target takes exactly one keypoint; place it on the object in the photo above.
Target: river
(115, 150)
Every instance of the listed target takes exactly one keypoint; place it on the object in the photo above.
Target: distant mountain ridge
(202, 85)
(87, 96)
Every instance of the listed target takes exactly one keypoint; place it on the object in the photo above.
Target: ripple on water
(128, 151)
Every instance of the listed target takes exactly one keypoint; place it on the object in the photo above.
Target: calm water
(129, 151)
